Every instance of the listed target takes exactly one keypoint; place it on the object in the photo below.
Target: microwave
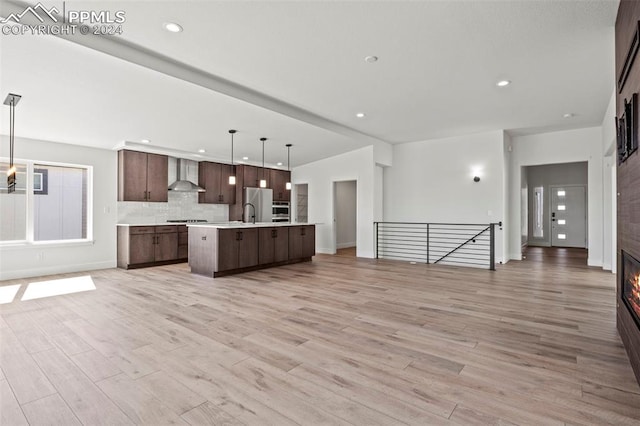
(280, 211)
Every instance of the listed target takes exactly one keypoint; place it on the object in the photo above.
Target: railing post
(427, 243)
(377, 238)
(492, 247)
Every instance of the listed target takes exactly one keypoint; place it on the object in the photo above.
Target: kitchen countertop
(152, 224)
(246, 225)
(233, 224)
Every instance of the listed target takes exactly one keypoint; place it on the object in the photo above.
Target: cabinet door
(209, 179)
(295, 242)
(157, 177)
(309, 241)
(227, 249)
(281, 244)
(141, 248)
(166, 247)
(266, 248)
(250, 176)
(275, 184)
(227, 191)
(248, 248)
(132, 176)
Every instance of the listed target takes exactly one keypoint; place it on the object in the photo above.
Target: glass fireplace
(631, 285)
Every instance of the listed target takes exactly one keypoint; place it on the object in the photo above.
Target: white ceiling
(439, 62)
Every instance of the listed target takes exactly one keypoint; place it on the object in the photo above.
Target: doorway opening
(302, 202)
(345, 217)
(557, 212)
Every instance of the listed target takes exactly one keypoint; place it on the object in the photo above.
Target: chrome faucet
(254, 211)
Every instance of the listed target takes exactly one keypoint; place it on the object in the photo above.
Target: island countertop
(245, 225)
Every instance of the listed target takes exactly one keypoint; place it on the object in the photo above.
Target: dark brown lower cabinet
(140, 246)
(183, 242)
(237, 248)
(274, 245)
(302, 241)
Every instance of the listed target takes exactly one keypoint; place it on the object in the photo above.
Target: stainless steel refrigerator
(261, 204)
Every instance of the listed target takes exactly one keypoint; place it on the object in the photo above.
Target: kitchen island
(223, 249)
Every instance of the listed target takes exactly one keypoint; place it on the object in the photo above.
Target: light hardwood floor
(336, 341)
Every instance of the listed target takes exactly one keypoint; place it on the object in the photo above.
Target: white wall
(34, 260)
(345, 199)
(546, 176)
(562, 147)
(320, 175)
(524, 209)
(609, 186)
(432, 181)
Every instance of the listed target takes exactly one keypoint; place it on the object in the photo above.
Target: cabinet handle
(204, 238)
(237, 235)
(149, 195)
(241, 235)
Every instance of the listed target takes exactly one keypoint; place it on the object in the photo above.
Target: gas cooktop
(186, 220)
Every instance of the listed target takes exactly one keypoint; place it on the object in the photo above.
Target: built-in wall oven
(280, 211)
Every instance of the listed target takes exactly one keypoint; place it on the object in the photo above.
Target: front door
(569, 216)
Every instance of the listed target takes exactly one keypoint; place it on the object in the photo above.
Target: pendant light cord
(12, 124)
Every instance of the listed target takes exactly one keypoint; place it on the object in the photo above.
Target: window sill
(46, 244)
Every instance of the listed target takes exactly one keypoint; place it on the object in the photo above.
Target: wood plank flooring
(336, 341)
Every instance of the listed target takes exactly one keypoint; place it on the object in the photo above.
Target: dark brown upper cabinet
(142, 176)
(278, 181)
(214, 178)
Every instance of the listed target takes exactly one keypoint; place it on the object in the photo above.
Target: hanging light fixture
(288, 184)
(232, 178)
(263, 181)
(12, 100)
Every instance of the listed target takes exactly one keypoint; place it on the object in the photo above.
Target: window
(51, 203)
(562, 222)
(538, 212)
(562, 207)
(562, 236)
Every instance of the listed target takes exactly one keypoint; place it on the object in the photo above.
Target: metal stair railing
(461, 244)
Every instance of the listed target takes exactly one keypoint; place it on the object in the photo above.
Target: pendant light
(12, 100)
(263, 181)
(288, 184)
(232, 178)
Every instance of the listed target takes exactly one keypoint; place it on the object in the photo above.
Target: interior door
(569, 216)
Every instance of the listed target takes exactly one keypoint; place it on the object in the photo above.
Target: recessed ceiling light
(568, 115)
(172, 27)
(279, 164)
(197, 155)
(371, 59)
(202, 151)
(360, 115)
(145, 141)
(245, 158)
(503, 83)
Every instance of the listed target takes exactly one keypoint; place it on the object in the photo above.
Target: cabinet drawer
(166, 229)
(135, 230)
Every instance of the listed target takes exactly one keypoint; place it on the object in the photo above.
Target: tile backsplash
(181, 205)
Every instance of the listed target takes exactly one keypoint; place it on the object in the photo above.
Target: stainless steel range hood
(185, 172)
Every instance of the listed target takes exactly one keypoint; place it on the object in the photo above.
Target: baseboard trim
(345, 245)
(58, 269)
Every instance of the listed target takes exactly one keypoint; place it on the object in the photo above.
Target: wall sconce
(476, 178)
